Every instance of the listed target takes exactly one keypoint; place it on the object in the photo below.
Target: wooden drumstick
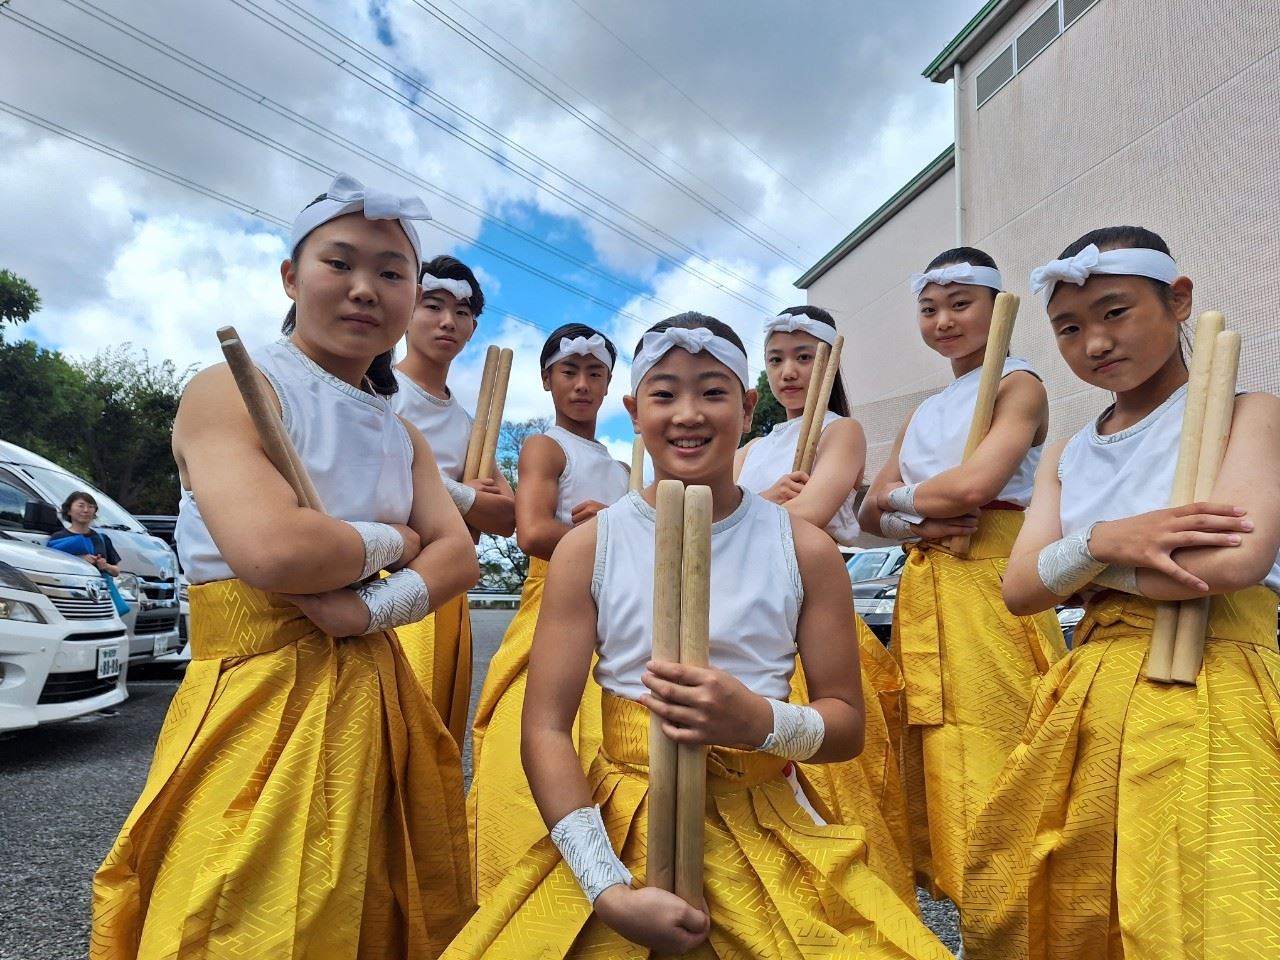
(1003, 316)
(637, 465)
(816, 374)
(668, 548)
(266, 420)
(489, 455)
(480, 423)
(695, 616)
(1165, 626)
(1193, 615)
(829, 374)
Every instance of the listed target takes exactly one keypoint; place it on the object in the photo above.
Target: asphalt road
(66, 788)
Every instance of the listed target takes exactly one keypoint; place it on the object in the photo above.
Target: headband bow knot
(957, 273)
(655, 346)
(791, 322)
(346, 195)
(592, 346)
(1130, 261)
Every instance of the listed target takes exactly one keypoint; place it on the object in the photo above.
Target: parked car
(874, 563)
(63, 650)
(32, 490)
(874, 601)
(159, 526)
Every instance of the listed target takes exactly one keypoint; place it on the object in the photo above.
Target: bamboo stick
(816, 374)
(1193, 615)
(1165, 626)
(479, 423)
(493, 431)
(636, 481)
(266, 420)
(829, 374)
(695, 614)
(1000, 334)
(668, 548)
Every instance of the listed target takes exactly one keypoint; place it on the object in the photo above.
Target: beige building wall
(887, 368)
(1163, 113)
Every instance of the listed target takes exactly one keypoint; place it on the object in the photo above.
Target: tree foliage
(18, 299)
(108, 418)
(503, 565)
(768, 410)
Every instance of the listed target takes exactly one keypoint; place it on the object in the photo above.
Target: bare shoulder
(539, 452)
(816, 552)
(1023, 385)
(1257, 411)
(844, 429)
(574, 557)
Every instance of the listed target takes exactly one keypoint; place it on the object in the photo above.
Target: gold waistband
(229, 618)
(1246, 616)
(626, 744)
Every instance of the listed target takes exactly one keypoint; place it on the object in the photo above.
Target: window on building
(1041, 32)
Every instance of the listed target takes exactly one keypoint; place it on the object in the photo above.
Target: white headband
(957, 273)
(460, 289)
(593, 346)
(655, 346)
(1126, 261)
(791, 322)
(348, 195)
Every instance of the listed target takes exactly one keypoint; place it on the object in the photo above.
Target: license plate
(108, 662)
(160, 646)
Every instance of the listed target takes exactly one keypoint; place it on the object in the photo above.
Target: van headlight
(127, 584)
(17, 610)
(884, 606)
(15, 579)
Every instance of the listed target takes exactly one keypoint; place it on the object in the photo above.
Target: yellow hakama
(777, 886)
(971, 669)
(1139, 819)
(438, 648)
(502, 817)
(304, 801)
(867, 791)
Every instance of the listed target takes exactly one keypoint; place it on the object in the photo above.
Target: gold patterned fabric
(438, 648)
(1138, 819)
(867, 791)
(777, 885)
(971, 669)
(502, 817)
(305, 800)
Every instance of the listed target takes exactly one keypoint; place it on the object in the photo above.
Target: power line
(706, 113)
(452, 130)
(284, 149)
(522, 74)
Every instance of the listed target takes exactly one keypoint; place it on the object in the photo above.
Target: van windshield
(867, 565)
(60, 485)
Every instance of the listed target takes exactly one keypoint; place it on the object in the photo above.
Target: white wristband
(1066, 566)
(584, 845)
(383, 546)
(463, 497)
(1121, 578)
(798, 731)
(395, 600)
(895, 526)
(903, 499)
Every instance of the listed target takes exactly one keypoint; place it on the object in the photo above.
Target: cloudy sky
(597, 160)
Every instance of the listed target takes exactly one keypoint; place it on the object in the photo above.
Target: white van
(32, 490)
(63, 650)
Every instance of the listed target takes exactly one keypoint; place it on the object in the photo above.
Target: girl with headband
(866, 791)
(970, 666)
(566, 477)
(1135, 818)
(305, 798)
(776, 883)
(439, 646)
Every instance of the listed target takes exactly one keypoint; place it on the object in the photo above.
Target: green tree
(503, 565)
(768, 410)
(18, 299)
(45, 405)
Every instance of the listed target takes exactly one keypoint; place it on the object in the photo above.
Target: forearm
(1225, 570)
(492, 513)
(957, 491)
(1023, 591)
(844, 735)
(448, 566)
(817, 506)
(554, 771)
(303, 551)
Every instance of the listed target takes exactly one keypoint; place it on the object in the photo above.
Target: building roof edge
(993, 15)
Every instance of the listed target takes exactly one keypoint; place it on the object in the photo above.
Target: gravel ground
(66, 788)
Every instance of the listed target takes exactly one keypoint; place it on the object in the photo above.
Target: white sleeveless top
(756, 595)
(1127, 473)
(590, 473)
(934, 441)
(353, 445)
(772, 455)
(445, 424)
